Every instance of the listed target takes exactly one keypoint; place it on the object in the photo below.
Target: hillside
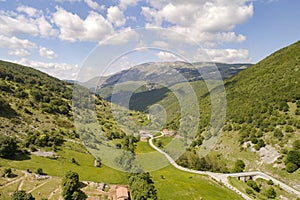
(152, 72)
(36, 116)
(262, 117)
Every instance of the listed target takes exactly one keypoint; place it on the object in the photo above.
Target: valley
(47, 129)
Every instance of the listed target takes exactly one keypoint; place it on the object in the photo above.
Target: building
(167, 132)
(122, 193)
(144, 136)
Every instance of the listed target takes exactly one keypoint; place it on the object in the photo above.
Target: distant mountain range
(156, 75)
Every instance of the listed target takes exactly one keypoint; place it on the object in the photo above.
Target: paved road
(223, 178)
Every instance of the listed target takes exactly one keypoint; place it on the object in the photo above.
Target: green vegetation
(8, 146)
(174, 184)
(70, 187)
(142, 186)
(239, 166)
(262, 102)
(261, 189)
(213, 163)
(22, 195)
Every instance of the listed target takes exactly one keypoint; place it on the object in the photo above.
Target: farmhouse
(122, 193)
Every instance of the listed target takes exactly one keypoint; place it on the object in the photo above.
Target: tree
(39, 171)
(296, 145)
(7, 172)
(293, 157)
(70, 186)
(142, 186)
(270, 193)
(239, 166)
(291, 167)
(22, 195)
(253, 185)
(8, 146)
(160, 144)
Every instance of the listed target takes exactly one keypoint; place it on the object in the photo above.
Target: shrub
(270, 193)
(8, 146)
(253, 185)
(291, 167)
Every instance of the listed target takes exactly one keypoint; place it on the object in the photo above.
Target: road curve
(223, 178)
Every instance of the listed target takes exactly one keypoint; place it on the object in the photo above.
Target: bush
(278, 133)
(22, 195)
(270, 193)
(291, 167)
(7, 172)
(253, 185)
(249, 191)
(289, 129)
(296, 145)
(8, 146)
(293, 157)
(270, 182)
(39, 171)
(239, 166)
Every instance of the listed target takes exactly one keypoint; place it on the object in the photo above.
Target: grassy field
(85, 167)
(174, 184)
(143, 147)
(280, 193)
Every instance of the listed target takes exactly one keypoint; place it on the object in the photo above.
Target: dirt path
(21, 184)
(12, 182)
(223, 178)
(53, 193)
(37, 187)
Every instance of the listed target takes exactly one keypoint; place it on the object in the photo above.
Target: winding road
(223, 178)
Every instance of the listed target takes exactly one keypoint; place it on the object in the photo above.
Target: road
(223, 178)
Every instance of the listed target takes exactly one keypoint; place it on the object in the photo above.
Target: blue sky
(61, 36)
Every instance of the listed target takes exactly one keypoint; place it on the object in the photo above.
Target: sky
(63, 37)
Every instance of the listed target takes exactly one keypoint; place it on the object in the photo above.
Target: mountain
(38, 137)
(262, 117)
(155, 77)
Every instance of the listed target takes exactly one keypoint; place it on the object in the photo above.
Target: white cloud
(19, 53)
(166, 56)
(15, 43)
(125, 3)
(200, 20)
(16, 26)
(59, 70)
(28, 10)
(35, 24)
(94, 5)
(122, 37)
(72, 28)
(223, 55)
(161, 44)
(45, 28)
(47, 53)
(116, 16)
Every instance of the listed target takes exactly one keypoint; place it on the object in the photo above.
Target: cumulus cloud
(161, 44)
(201, 21)
(223, 55)
(28, 10)
(15, 43)
(166, 56)
(122, 37)
(125, 3)
(94, 5)
(59, 70)
(19, 53)
(35, 24)
(72, 28)
(47, 53)
(116, 16)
